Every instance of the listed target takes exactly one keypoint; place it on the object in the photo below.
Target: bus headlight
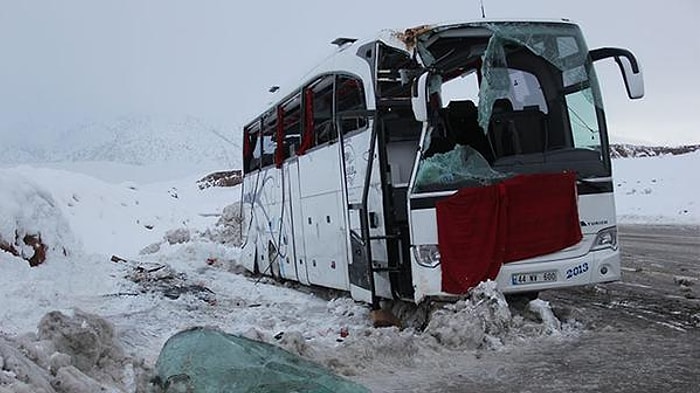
(427, 255)
(606, 238)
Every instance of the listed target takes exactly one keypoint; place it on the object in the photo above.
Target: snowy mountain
(136, 140)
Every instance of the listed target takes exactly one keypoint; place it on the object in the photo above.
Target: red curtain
(308, 138)
(481, 228)
(279, 149)
(247, 149)
(542, 215)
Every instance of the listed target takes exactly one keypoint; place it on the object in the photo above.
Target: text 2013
(575, 271)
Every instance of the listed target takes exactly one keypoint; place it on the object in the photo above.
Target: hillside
(135, 140)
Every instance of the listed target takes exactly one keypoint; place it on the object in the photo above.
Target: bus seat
(514, 132)
(463, 123)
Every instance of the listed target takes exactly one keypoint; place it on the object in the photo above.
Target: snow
(659, 190)
(177, 269)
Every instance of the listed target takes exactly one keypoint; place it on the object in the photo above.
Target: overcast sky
(67, 62)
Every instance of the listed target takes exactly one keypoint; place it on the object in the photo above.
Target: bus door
(321, 191)
(322, 218)
(355, 159)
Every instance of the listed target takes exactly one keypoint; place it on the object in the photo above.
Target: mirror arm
(604, 53)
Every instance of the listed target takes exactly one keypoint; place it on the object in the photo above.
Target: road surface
(641, 334)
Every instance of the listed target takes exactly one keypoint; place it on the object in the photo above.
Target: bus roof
(345, 58)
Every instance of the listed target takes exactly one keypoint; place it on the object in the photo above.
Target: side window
(290, 117)
(350, 97)
(322, 110)
(389, 80)
(269, 138)
(584, 122)
(251, 147)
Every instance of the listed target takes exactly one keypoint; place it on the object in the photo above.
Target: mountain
(136, 140)
(620, 150)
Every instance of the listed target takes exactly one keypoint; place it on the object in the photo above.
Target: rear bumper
(592, 268)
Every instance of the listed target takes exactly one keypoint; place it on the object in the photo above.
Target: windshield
(523, 96)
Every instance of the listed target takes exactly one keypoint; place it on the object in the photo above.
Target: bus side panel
(323, 217)
(294, 203)
(427, 281)
(249, 229)
(288, 268)
(272, 244)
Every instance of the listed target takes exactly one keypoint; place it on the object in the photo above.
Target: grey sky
(66, 62)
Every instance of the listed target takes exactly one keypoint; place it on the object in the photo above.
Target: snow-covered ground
(177, 273)
(660, 190)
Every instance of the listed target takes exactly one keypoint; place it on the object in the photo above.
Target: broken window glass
(207, 360)
(460, 167)
(560, 45)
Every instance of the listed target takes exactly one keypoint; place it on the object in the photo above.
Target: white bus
(418, 163)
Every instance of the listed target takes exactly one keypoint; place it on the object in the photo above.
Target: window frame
(307, 126)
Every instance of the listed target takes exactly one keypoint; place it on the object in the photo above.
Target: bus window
(584, 120)
(251, 147)
(388, 79)
(350, 97)
(322, 107)
(269, 138)
(291, 115)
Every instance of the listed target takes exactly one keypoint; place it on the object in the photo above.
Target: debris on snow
(163, 279)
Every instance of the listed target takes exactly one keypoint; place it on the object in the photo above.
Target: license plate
(533, 278)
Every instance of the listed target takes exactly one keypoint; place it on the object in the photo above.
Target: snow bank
(71, 354)
(112, 218)
(28, 210)
(477, 321)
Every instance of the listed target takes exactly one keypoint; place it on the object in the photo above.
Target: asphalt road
(641, 334)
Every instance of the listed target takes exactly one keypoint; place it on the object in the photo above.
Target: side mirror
(419, 97)
(629, 67)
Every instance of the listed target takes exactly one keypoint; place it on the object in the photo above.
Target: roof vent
(340, 41)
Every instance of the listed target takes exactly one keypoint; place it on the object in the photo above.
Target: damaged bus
(420, 162)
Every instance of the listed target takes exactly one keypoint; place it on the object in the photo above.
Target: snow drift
(69, 354)
(32, 226)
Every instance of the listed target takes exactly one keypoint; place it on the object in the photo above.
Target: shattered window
(251, 146)
(291, 117)
(532, 104)
(207, 360)
(560, 45)
(269, 138)
(460, 167)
